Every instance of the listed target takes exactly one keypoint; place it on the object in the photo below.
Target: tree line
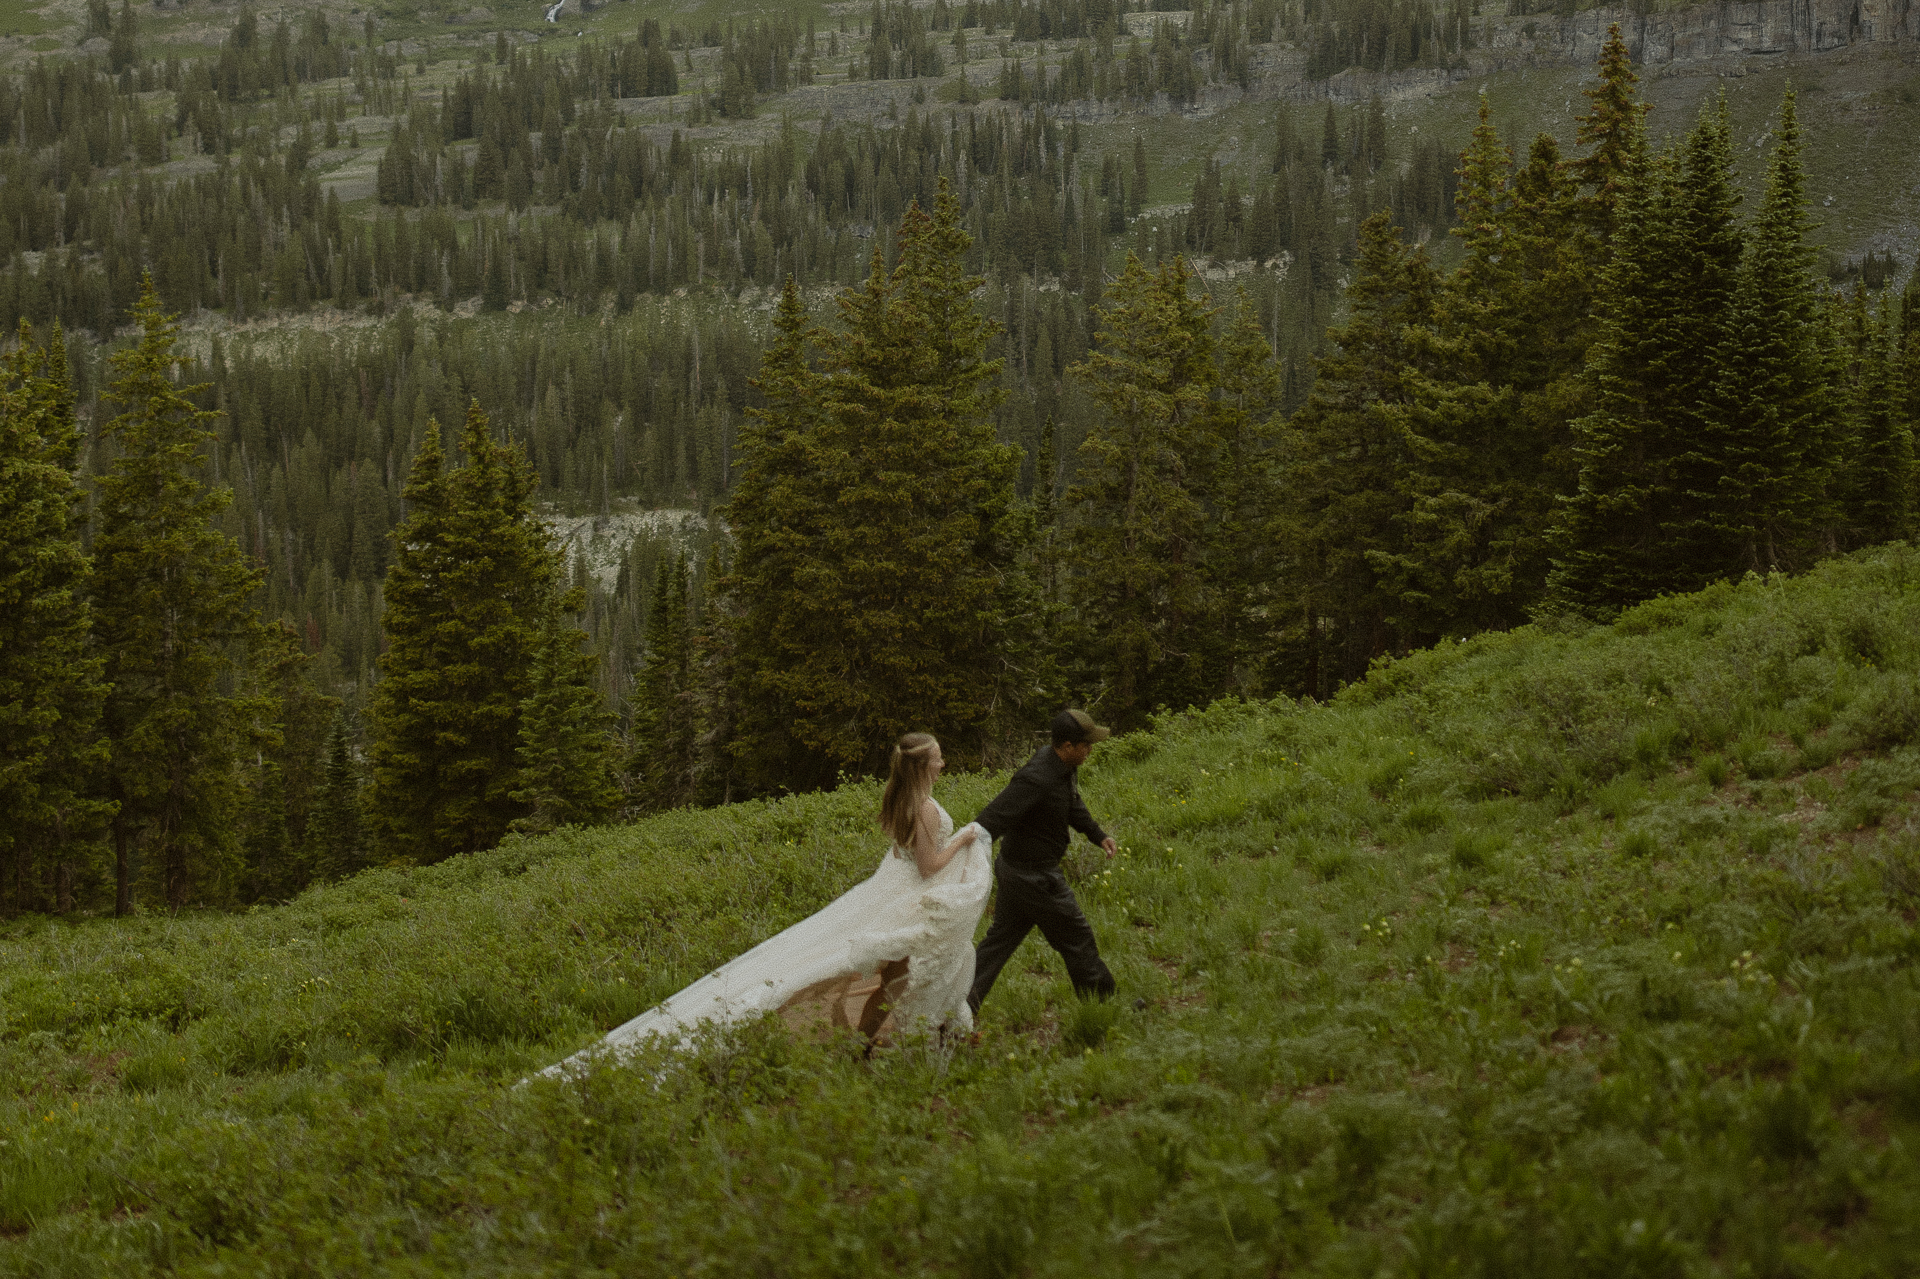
(164, 742)
(1621, 389)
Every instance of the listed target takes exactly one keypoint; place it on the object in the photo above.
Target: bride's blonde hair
(909, 784)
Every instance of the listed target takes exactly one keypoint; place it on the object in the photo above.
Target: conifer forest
(484, 486)
(420, 427)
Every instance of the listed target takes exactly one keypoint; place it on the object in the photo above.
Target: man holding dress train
(1034, 817)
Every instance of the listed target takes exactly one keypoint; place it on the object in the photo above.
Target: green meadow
(1577, 950)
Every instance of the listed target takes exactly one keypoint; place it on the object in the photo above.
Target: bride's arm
(960, 837)
(928, 855)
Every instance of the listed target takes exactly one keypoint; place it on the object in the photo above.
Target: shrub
(1887, 713)
(1473, 850)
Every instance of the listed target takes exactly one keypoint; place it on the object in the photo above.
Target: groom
(1034, 813)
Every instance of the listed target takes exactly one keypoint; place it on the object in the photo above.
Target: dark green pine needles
(877, 578)
(480, 718)
(50, 678)
(171, 605)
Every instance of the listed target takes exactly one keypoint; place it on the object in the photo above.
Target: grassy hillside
(1569, 951)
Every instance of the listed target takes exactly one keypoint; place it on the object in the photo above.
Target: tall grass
(1574, 951)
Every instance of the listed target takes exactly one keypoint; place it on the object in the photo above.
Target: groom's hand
(1109, 845)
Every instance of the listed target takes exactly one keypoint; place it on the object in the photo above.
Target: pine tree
(1241, 488)
(663, 762)
(170, 605)
(1157, 516)
(1614, 126)
(1485, 426)
(1345, 467)
(1046, 511)
(1771, 418)
(567, 747)
(912, 594)
(287, 727)
(467, 595)
(777, 511)
(339, 843)
(1703, 277)
(1639, 521)
(716, 687)
(1872, 485)
(50, 681)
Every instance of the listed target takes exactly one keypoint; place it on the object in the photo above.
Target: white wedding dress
(892, 915)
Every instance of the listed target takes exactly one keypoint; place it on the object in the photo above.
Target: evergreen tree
(1907, 350)
(50, 681)
(472, 580)
(1162, 501)
(339, 844)
(1345, 466)
(1485, 426)
(1046, 511)
(1704, 276)
(1241, 487)
(1873, 479)
(170, 596)
(914, 600)
(566, 753)
(777, 511)
(1639, 524)
(1614, 126)
(1771, 416)
(716, 687)
(288, 732)
(664, 718)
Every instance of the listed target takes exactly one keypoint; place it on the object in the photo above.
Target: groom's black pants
(1032, 897)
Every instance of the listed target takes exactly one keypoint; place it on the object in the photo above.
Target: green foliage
(1873, 478)
(1519, 1042)
(1774, 404)
(472, 584)
(779, 516)
(340, 841)
(1343, 496)
(666, 726)
(50, 680)
(890, 593)
(1494, 381)
(1639, 523)
(170, 607)
(286, 845)
(1168, 468)
(1615, 128)
(567, 746)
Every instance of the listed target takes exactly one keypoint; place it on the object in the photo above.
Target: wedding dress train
(892, 915)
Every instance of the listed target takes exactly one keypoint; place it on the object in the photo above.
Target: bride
(893, 951)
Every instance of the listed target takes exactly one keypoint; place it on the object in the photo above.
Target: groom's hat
(1077, 726)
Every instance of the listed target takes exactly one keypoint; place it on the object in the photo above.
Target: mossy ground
(1573, 951)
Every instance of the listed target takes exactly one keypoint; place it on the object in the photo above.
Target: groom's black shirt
(1036, 810)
